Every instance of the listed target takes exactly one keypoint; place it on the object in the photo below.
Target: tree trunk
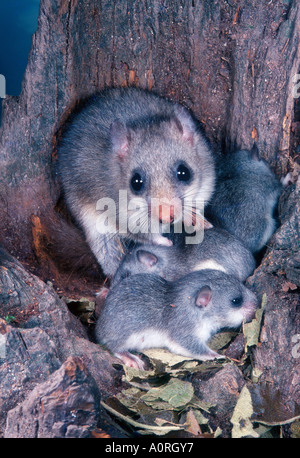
(232, 63)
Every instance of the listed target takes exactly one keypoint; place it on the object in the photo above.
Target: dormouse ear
(146, 258)
(204, 296)
(120, 138)
(254, 153)
(185, 124)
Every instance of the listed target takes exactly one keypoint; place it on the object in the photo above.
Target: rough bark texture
(278, 276)
(65, 405)
(46, 336)
(221, 390)
(233, 64)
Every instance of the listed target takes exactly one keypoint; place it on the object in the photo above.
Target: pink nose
(166, 214)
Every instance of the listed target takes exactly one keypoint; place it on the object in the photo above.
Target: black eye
(237, 301)
(136, 182)
(183, 173)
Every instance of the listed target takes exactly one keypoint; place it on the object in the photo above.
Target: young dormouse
(245, 198)
(218, 250)
(147, 311)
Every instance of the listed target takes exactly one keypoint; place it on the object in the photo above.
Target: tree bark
(42, 337)
(232, 63)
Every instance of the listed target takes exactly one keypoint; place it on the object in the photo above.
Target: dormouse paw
(131, 360)
(102, 293)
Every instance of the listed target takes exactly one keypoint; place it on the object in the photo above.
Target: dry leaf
(174, 395)
(242, 426)
(251, 330)
(192, 425)
(132, 373)
(165, 356)
(220, 340)
(143, 428)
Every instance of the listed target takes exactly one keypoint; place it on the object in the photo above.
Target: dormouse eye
(137, 182)
(183, 173)
(237, 301)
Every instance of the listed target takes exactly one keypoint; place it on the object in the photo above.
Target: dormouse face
(224, 301)
(164, 165)
(230, 307)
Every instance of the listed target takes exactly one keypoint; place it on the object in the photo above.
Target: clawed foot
(102, 293)
(131, 360)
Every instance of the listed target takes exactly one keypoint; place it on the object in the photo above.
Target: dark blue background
(18, 21)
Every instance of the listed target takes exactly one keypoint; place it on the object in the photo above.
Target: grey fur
(145, 304)
(218, 248)
(246, 195)
(117, 132)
